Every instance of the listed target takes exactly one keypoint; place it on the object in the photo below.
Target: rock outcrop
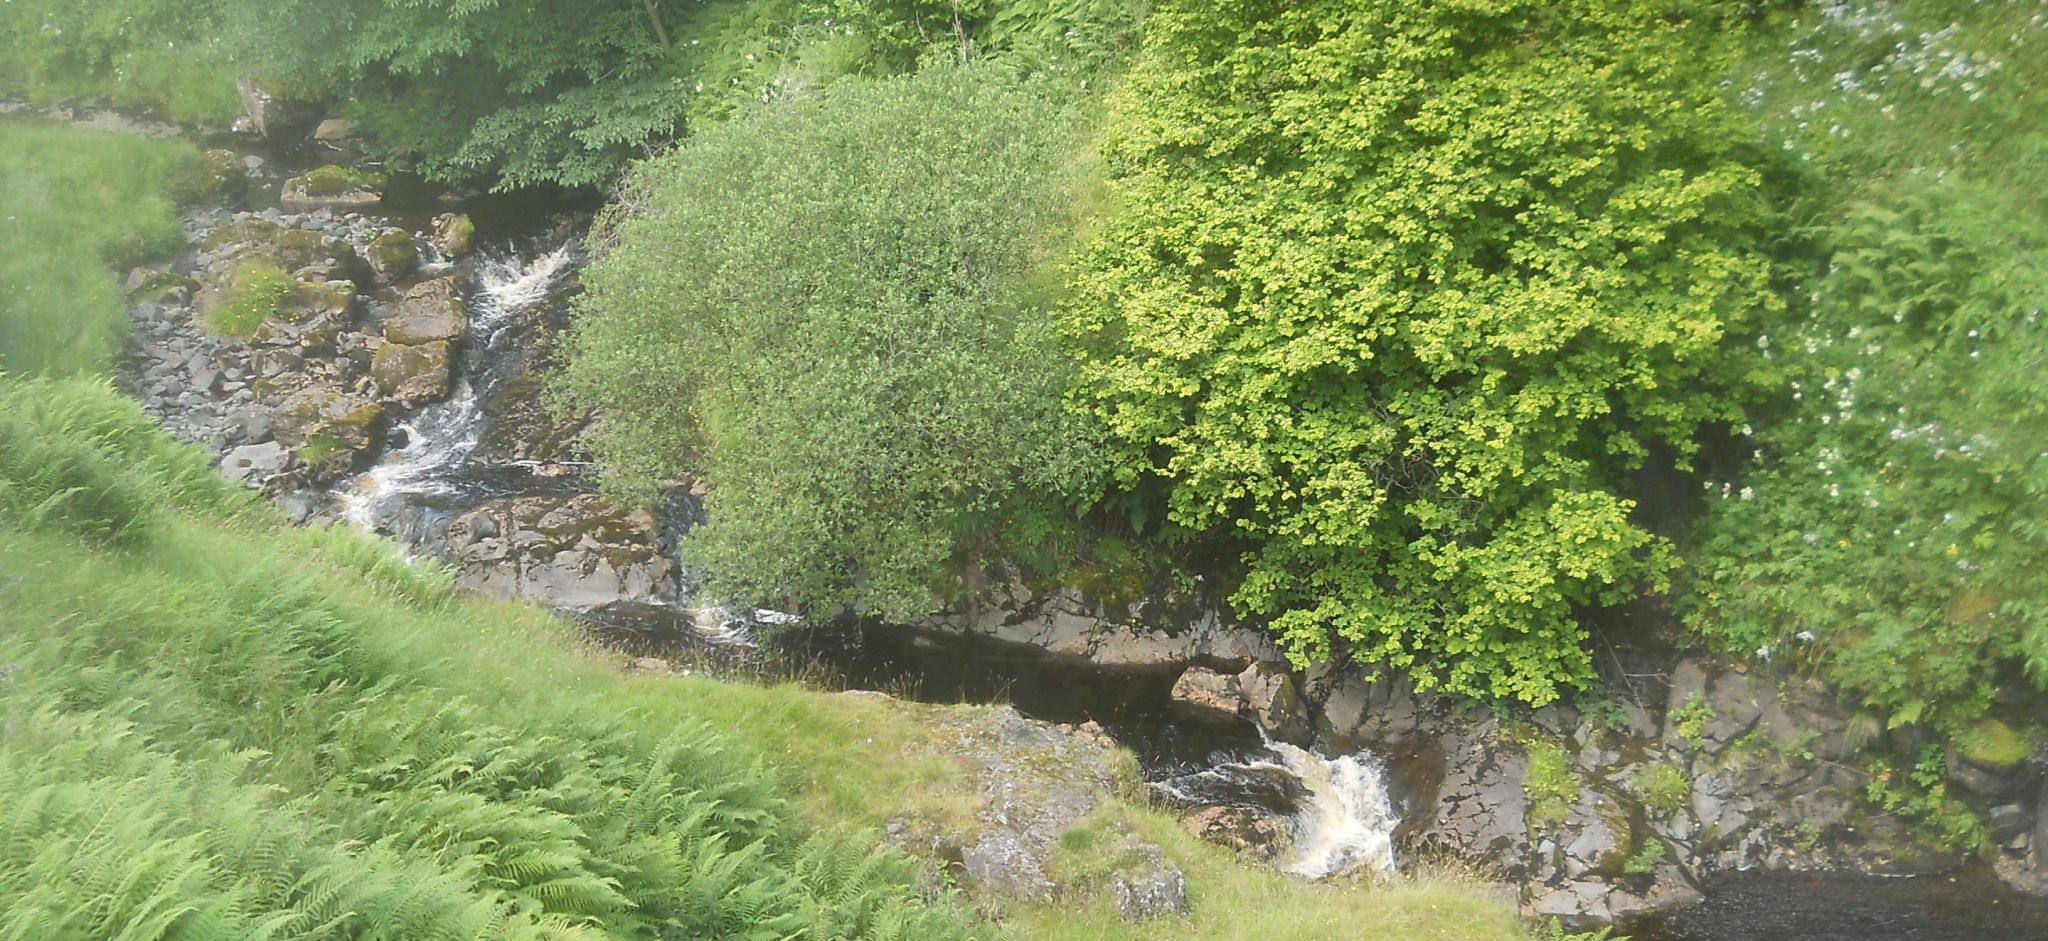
(576, 552)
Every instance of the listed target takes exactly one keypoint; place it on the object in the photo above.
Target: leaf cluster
(1397, 296)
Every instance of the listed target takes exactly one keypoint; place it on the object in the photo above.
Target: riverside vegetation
(1386, 322)
(217, 725)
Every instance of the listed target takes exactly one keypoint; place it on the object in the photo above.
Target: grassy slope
(197, 652)
(74, 207)
(157, 55)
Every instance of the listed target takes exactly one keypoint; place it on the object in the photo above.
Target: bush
(826, 312)
(1395, 298)
(1550, 784)
(1664, 787)
(1887, 528)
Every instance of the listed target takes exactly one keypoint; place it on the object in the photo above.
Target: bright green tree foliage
(567, 91)
(821, 310)
(1398, 293)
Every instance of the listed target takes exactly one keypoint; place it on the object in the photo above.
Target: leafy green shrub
(1664, 787)
(257, 291)
(1690, 721)
(824, 311)
(1921, 795)
(561, 91)
(1889, 526)
(1644, 861)
(1397, 296)
(1550, 784)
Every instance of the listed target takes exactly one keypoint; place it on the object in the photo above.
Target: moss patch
(258, 290)
(332, 180)
(1993, 744)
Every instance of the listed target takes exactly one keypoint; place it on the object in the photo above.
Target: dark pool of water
(1968, 906)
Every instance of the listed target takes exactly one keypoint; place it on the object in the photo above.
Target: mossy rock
(326, 297)
(1994, 744)
(334, 186)
(217, 177)
(251, 230)
(426, 312)
(351, 421)
(414, 373)
(392, 255)
(453, 234)
(146, 285)
(255, 290)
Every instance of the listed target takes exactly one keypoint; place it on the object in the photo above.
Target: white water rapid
(1342, 820)
(441, 436)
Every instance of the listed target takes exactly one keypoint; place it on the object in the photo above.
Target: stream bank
(445, 449)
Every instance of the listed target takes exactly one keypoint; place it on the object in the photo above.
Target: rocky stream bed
(396, 391)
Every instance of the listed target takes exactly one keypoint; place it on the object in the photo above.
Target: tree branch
(660, 31)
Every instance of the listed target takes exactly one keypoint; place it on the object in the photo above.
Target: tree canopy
(1396, 295)
(826, 311)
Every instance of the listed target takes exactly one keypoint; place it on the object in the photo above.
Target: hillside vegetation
(215, 725)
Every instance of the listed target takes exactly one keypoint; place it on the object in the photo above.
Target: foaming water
(440, 438)
(1338, 812)
(508, 284)
(1348, 820)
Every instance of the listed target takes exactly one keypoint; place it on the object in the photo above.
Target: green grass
(160, 55)
(257, 291)
(1231, 901)
(1550, 783)
(1664, 787)
(72, 207)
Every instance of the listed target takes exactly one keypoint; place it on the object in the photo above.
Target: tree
(568, 91)
(1396, 295)
(827, 311)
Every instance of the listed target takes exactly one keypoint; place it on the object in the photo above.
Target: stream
(1337, 814)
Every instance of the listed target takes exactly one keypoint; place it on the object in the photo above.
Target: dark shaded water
(1969, 906)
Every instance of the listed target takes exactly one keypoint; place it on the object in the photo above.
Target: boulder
(274, 115)
(147, 285)
(327, 415)
(412, 373)
(221, 178)
(1150, 894)
(428, 311)
(333, 187)
(453, 233)
(334, 129)
(392, 255)
(326, 297)
(255, 463)
(1247, 830)
(1274, 699)
(1206, 693)
(581, 551)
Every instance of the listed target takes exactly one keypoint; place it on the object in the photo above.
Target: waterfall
(1347, 821)
(1336, 809)
(440, 437)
